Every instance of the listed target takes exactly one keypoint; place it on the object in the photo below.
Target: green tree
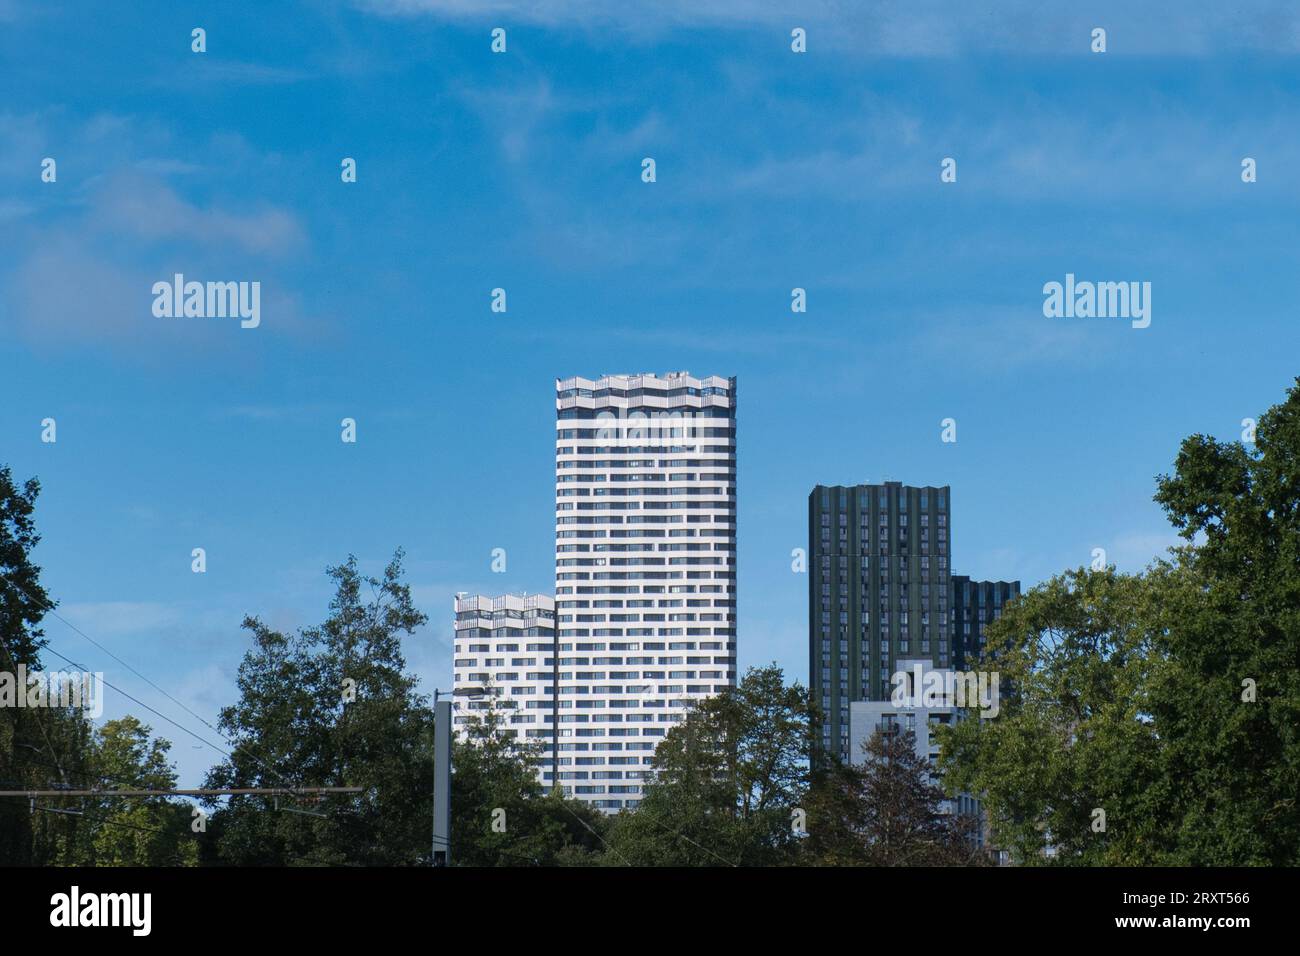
(1228, 704)
(52, 748)
(331, 706)
(1073, 735)
(729, 781)
(1155, 718)
(39, 748)
(885, 811)
(500, 814)
(23, 601)
(100, 830)
(57, 753)
(136, 831)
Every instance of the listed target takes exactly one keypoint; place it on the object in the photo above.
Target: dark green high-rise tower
(879, 588)
(976, 604)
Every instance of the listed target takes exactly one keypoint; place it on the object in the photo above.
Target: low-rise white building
(915, 714)
(506, 644)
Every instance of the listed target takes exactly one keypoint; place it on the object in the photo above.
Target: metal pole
(442, 783)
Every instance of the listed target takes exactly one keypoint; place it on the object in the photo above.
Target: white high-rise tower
(645, 569)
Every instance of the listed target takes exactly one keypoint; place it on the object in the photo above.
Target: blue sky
(522, 171)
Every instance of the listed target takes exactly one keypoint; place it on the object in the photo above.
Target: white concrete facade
(645, 550)
(507, 644)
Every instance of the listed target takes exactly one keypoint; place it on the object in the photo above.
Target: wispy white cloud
(854, 147)
(153, 211)
(161, 166)
(204, 689)
(1017, 336)
(23, 143)
(912, 27)
(689, 340)
(120, 618)
(228, 72)
(11, 209)
(1000, 564)
(523, 117)
(81, 272)
(1135, 550)
(74, 290)
(1037, 155)
(302, 412)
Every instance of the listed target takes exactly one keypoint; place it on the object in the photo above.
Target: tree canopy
(1154, 718)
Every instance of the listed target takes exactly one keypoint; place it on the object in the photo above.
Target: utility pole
(441, 782)
(442, 734)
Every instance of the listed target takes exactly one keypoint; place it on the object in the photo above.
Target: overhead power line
(199, 792)
(47, 607)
